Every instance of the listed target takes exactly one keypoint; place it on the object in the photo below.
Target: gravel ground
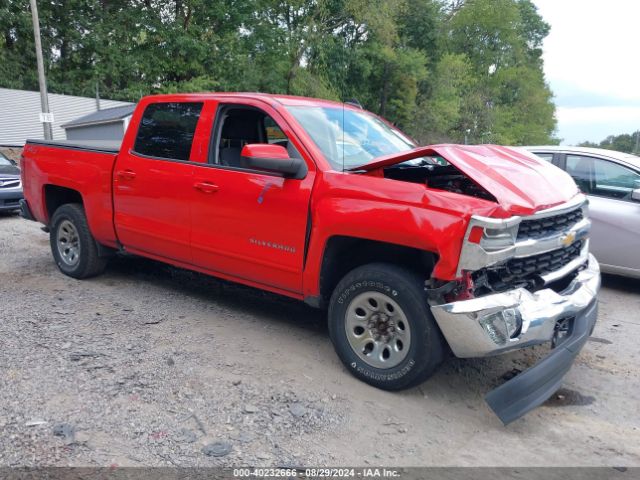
(156, 366)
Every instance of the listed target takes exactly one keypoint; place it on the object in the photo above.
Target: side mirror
(272, 158)
(635, 194)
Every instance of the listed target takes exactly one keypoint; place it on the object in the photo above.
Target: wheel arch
(55, 196)
(344, 253)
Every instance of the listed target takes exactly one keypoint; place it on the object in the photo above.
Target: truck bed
(100, 146)
(72, 171)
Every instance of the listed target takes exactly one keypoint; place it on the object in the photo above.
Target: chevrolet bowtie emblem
(568, 239)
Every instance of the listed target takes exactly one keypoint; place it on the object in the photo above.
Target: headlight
(493, 239)
(488, 241)
(503, 325)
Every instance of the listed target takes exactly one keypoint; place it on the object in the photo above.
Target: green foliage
(444, 110)
(493, 90)
(626, 142)
(441, 70)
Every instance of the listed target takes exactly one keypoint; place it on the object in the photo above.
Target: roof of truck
(287, 100)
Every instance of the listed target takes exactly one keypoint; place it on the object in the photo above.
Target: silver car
(611, 181)
(10, 185)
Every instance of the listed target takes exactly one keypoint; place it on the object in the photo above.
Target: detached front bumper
(534, 386)
(480, 327)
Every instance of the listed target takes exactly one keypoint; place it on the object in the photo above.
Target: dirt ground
(152, 365)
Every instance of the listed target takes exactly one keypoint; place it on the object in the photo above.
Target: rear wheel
(74, 248)
(382, 328)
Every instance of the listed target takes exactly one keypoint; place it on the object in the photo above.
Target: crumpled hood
(521, 182)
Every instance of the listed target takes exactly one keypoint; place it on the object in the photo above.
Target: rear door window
(166, 130)
(613, 180)
(601, 177)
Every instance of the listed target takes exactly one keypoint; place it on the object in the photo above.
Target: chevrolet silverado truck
(413, 251)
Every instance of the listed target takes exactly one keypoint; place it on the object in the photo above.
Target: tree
(627, 143)
(443, 70)
(444, 115)
(510, 103)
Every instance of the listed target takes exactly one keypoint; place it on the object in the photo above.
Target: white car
(611, 181)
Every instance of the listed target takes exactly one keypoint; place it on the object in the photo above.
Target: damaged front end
(525, 281)
(526, 252)
(522, 274)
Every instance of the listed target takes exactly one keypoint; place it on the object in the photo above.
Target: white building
(105, 124)
(20, 114)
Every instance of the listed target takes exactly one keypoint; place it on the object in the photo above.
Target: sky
(592, 63)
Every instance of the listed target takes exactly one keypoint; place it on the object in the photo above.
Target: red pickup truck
(413, 250)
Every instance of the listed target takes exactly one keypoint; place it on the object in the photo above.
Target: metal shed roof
(107, 115)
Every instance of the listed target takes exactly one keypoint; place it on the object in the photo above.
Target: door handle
(206, 187)
(126, 174)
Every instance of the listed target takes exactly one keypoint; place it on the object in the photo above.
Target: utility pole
(637, 151)
(46, 117)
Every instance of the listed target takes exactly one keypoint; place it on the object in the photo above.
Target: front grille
(524, 272)
(9, 182)
(543, 263)
(543, 227)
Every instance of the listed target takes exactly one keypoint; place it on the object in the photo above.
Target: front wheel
(74, 248)
(382, 327)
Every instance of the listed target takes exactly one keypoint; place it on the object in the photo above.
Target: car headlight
(493, 239)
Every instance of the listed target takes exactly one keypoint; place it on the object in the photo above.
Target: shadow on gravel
(624, 284)
(458, 380)
(213, 290)
(566, 397)
(477, 375)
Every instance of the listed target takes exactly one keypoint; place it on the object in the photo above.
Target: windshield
(350, 138)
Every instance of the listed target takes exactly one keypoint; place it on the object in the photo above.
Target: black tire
(406, 289)
(87, 263)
